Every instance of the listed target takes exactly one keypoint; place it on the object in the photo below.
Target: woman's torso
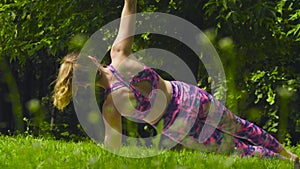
(131, 83)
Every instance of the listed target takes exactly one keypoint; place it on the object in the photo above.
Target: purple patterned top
(143, 103)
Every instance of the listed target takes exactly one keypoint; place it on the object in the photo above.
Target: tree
(258, 42)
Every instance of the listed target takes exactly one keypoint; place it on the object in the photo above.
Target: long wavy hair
(63, 86)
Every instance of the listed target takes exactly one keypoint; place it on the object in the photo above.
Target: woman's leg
(227, 144)
(244, 149)
(211, 109)
(244, 129)
(214, 113)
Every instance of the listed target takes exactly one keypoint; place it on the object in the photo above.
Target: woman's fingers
(94, 60)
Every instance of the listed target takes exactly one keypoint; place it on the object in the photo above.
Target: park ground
(28, 152)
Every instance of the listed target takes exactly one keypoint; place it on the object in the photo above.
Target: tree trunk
(14, 95)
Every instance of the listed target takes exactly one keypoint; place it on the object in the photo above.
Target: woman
(155, 99)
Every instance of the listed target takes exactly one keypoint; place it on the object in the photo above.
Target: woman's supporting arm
(113, 127)
(123, 44)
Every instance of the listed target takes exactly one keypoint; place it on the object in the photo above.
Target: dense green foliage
(258, 42)
(27, 152)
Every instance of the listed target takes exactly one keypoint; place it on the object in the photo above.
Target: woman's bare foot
(293, 157)
(289, 155)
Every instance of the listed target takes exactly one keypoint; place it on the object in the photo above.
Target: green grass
(27, 152)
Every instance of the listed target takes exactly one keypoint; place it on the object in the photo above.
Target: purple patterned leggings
(233, 132)
(213, 126)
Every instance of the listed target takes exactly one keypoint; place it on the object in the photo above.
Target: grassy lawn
(27, 152)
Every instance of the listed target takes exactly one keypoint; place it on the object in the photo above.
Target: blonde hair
(63, 86)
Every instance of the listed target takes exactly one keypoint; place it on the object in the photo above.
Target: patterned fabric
(193, 113)
(143, 102)
(212, 123)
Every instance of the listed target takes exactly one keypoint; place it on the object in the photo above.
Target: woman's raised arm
(122, 46)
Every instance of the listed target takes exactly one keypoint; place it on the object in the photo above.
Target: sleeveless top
(143, 106)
